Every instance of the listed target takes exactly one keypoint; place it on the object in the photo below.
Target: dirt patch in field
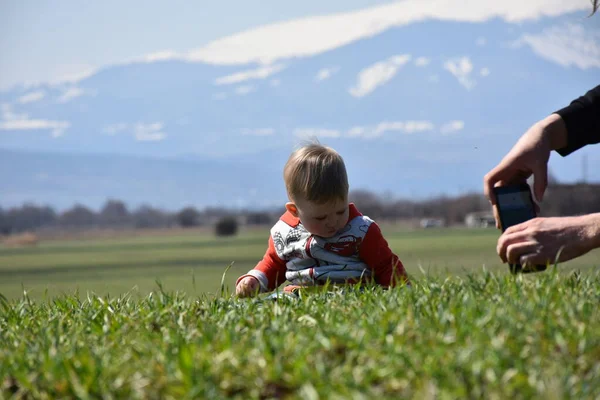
(21, 240)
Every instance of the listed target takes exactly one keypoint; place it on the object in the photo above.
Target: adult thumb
(540, 182)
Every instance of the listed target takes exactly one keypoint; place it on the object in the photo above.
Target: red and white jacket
(358, 251)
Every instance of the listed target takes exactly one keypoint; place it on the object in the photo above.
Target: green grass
(476, 336)
(195, 263)
(94, 323)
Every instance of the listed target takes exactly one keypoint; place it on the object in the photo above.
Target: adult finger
(553, 254)
(536, 258)
(506, 173)
(506, 240)
(517, 228)
(496, 217)
(516, 252)
(495, 206)
(490, 180)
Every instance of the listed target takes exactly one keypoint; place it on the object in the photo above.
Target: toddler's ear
(291, 207)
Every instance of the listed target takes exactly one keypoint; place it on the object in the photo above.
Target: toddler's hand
(247, 287)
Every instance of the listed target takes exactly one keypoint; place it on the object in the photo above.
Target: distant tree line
(560, 199)
(116, 215)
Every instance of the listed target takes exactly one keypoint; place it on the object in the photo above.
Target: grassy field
(461, 331)
(480, 336)
(194, 262)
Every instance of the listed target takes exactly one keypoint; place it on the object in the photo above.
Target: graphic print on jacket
(313, 259)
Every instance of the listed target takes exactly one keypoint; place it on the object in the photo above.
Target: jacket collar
(292, 221)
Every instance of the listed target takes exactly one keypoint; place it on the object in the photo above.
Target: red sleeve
(270, 271)
(385, 265)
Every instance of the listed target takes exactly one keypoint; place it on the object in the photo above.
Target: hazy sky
(45, 40)
(261, 47)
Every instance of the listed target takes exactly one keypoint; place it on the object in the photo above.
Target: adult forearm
(554, 131)
(594, 230)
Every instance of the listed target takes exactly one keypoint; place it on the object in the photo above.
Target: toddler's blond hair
(316, 173)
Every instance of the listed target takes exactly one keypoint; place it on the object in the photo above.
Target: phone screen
(515, 207)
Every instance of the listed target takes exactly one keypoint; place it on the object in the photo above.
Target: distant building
(432, 223)
(480, 219)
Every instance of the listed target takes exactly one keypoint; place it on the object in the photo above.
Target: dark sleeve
(582, 118)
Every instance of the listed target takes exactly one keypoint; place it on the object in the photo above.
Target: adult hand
(549, 240)
(247, 287)
(529, 156)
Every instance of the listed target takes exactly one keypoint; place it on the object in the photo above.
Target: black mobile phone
(515, 205)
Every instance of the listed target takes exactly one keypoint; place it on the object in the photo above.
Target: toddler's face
(323, 220)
